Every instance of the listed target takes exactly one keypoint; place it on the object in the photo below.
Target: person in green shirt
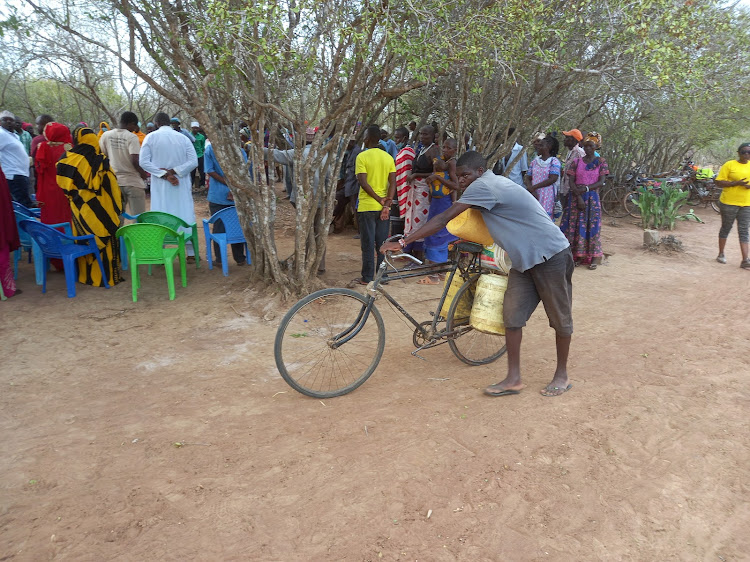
(200, 150)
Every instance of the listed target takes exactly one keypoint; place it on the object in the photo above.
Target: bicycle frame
(374, 288)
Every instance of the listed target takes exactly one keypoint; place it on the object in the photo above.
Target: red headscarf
(57, 141)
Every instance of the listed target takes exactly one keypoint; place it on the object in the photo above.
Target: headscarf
(103, 128)
(57, 141)
(594, 137)
(85, 167)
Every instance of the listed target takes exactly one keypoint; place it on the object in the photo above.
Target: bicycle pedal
(417, 355)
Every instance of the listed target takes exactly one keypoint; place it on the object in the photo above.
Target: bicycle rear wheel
(612, 201)
(306, 355)
(630, 206)
(469, 345)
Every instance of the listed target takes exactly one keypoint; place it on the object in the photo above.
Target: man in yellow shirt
(734, 179)
(376, 174)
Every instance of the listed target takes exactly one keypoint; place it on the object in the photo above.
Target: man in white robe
(170, 157)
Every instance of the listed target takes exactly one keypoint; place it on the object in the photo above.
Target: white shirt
(166, 148)
(13, 158)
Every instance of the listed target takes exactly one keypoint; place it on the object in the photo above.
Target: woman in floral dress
(582, 218)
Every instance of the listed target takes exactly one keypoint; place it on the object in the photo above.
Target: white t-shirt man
(120, 145)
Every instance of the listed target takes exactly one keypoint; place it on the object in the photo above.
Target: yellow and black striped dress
(84, 175)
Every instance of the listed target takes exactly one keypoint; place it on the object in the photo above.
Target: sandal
(354, 282)
(593, 266)
(721, 259)
(745, 264)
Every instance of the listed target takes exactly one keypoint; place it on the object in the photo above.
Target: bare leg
(743, 249)
(559, 383)
(512, 382)
(722, 244)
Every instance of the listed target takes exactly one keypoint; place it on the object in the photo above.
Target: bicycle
(703, 192)
(612, 201)
(331, 341)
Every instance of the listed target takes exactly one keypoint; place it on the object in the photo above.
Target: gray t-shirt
(515, 220)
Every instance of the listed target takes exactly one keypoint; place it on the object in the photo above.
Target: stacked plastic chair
(146, 244)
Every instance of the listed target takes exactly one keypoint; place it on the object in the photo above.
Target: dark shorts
(549, 282)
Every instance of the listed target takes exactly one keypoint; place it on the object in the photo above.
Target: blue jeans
(372, 234)
(19, 190)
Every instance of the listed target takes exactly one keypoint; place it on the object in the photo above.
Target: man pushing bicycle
(542, 263)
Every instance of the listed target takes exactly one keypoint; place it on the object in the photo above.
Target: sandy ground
(646, 458)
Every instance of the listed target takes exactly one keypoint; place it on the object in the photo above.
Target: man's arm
(435, 224)
(135, 149)
(146, 163)
(285, 157)
(190, 163)
(134, 158)
(385, 213)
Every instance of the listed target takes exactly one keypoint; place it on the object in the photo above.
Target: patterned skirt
(583, 228)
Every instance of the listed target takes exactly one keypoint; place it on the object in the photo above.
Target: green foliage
(659, 210)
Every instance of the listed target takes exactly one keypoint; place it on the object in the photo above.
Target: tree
(475, 65)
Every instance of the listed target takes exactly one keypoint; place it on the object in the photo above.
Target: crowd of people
(89, 178)
(424, 174)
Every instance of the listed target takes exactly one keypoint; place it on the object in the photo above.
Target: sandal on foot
(355, 282)
(552, 391)
(593, 266)
(497, 390)
(721, 259)
(745, 264)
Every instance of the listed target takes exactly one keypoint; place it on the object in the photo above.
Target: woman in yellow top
(734, 179)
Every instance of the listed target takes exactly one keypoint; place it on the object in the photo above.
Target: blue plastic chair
(233, 235)
(54, 244)
(28, 244)
(36, 212)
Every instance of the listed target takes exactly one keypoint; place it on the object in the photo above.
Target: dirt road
(161, 430)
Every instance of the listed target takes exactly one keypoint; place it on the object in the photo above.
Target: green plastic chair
(173, 222)
(145, 244)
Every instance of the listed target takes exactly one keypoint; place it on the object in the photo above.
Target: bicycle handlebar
(405, 255)
(402, 254)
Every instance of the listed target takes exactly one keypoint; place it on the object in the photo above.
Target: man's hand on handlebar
(390, 247)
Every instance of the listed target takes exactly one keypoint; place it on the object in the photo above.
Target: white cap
(194, 124)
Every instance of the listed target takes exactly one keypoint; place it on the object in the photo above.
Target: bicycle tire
(303, 355)
(612, 202)
(628, 204)
(472, 346)
(715, 205)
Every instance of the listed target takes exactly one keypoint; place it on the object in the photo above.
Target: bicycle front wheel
(469, 345)
(612, 202)
(310, 350)
(629, 203)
